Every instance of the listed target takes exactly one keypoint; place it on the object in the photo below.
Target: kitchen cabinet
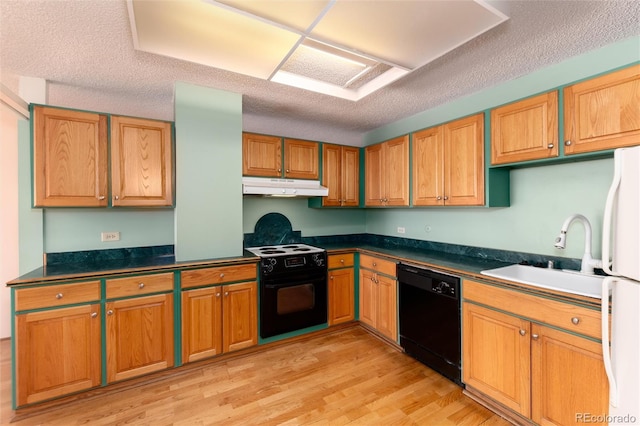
(602, 112)
(140, 328)
(263, 155)
(525, 130)
(378, 296)
(387, 173)
(341, 175)
(141, 162)
(221, 318)
(341, 288)
(58, 351)
(69, 158)
(516, 354)
(448, 164)
(72, 167)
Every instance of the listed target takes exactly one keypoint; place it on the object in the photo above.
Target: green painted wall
(312, 222)
(208, 213)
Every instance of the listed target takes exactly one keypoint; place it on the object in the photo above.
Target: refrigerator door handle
(608, 215)
(606, 351)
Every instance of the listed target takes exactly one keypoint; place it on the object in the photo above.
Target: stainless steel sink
(552, 279)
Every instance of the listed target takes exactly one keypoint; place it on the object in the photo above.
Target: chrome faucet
(588, 262)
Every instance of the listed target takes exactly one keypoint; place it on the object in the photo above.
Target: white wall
(9, 247)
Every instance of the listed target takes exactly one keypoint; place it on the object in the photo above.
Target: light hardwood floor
(346, 377)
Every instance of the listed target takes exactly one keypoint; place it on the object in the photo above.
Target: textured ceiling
(84, 49)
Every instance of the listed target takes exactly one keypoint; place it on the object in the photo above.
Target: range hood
(273, 187)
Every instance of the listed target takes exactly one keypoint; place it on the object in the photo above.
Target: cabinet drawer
(142, 284)
(570, 317)
(379, 265)
(218, 275)
(57, 295)
(340, 260)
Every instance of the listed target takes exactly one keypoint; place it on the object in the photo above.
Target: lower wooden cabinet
(378, 297)
(542, 373)
(139, 336)
(57, 352)
(218, 319)
(341, 291)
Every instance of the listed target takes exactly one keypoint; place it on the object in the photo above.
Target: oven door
(293, 303)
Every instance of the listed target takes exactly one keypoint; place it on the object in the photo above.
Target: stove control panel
(301, 262)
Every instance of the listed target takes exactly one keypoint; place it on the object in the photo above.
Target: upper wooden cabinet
(71, 164)
(341, 175)
(448, 164)
(603, 113)
(525, 130)
(387, 173)
(262, 155)
(69, 158)
(141, 162)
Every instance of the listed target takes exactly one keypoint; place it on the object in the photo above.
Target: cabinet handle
(375, 264)
(226, 293)
(279, 170)
(446, 198)
(438, 198)
(218, 294)
(331, 277)
(567, 143)
(523, 332)
(115, 197)
(575, 320)
(534, 336)
(59, 296)
(141, 286)
(94, 314)
(109, 312)
(341, 260)
(287, 171)
(550, 146)
(222, 275)
(101, 197)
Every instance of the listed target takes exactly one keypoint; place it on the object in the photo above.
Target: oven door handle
(294, 284)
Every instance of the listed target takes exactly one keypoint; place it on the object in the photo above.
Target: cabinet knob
(226, 293)
(94, 314)
(222, 275)
(446, 198)
(535, 336)
(523, 332)
(109, 312)
(59, 296)
(287, 171)
(279, 170)
(141, 286)
(567, 143)
(115, 197)
(331, 277)
(375, 264)
(101, 197)
(550, 146)
(438, 198)
(218, 294)
(341, 260)
(575, 320)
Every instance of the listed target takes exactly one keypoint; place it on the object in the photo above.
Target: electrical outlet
(400, 229)
(110, 236)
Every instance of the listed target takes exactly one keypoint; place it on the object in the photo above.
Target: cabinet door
(139, 336)
(201, 323)
(240, 316)
(261, 155)
(568, 377)
(525, 130)
(387, 307)
(428, 167)
(332, 174)
(602, 113)
(464, 162)
(396, 171)
(373, 175)
(368, 303)
(301, 159)
(496, 356)
(57, 352)
(341, 297)
(69, 158)
(141, 162)
(350, 193)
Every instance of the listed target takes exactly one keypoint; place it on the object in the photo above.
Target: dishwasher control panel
(443, 287)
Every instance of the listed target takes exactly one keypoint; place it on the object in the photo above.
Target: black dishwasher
(430, 319)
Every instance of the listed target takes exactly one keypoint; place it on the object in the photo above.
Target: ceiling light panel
(419, 32)
(296, 14)
(196, 31)
(321, 65)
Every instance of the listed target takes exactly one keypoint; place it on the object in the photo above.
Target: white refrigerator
(621, 244)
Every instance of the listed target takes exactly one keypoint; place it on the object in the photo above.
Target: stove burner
(290, 247)
(274, 251)
(266, 248)
(301, 249)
